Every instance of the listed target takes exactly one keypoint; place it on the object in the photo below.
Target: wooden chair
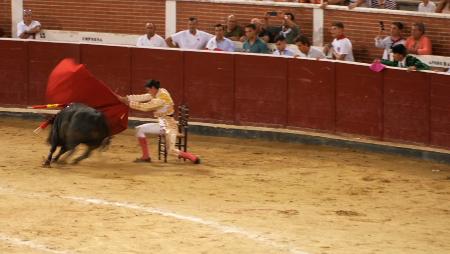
(182, 137)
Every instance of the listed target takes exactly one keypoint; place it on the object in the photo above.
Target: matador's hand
(123, 99)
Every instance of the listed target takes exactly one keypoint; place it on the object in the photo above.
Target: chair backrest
(183, 118)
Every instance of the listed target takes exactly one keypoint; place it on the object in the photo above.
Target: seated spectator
(253, 44)
(443, 7)
(403, 60)
(151, 39)
(192, 38)
(304, 46)
(28, 28)
(219, 42)
(388, 42)
(418, 43)
(262, 33)
(289, 29)
(341, 47)
(380, 4)
(233, 31)
(426, 6)
(281, 44)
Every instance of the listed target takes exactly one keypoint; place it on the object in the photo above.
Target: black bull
(77, 124)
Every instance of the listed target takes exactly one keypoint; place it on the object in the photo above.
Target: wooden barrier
(247, 89)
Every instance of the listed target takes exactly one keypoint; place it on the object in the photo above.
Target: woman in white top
(28, 28)
(426, 6)
(388, 42)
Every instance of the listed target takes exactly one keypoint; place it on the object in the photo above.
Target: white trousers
(161, 128)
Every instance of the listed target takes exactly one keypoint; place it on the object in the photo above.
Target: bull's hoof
(46, 164)
(141, 160)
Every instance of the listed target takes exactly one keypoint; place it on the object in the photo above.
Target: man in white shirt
(28, 28)
(304, 46)
(219, 42)
(427, 6)
(281, 45)
(151, 39)
(191, 38)
(341, 47)
(388, 42)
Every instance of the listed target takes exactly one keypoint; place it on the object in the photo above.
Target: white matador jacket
(163, 107)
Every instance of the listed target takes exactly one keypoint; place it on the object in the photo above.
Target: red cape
(70, 82)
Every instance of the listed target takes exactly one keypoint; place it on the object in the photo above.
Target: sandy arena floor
(247, 197)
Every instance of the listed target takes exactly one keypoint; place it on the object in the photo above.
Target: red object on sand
(73, 83)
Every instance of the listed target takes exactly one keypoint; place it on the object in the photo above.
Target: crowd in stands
(256, 35)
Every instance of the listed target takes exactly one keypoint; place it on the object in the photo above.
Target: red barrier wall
(406, 106)
(13, 72)
(261, 90)
(209, 90)
(333, 97)
(440, 110)
(311, 94)
(42, 58)
(110, 64)
(359, 100)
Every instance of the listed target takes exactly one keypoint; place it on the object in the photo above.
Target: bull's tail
(54, 131)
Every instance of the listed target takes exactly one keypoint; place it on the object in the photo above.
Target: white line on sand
(212, 224)
(29, 244)
(225, 229)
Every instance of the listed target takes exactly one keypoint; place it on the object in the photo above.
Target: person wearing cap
(159, 101)
(403, 60)
(28, 28)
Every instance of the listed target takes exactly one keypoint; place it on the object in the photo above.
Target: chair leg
(165, 151)
(159, 147)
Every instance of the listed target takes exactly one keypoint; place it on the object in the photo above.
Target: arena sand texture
(248, 196)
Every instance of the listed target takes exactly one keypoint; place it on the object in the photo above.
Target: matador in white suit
(160, 102)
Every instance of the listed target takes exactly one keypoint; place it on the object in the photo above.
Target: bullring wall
(241, 89)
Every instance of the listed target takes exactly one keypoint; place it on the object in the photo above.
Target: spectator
(443, 7)
(151, 39)
(233, 31)
(262, 33)
(403, 60)
(341, 47)
(418, 43)
(28, 28)
(253, 44)
(304, 46)
(192, 38)
(219, 42)
(426, 6)
(380, 4)
(388, 42)
(289, 29)
(281, 44)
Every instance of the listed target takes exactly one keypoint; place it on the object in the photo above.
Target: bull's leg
(49, 158)
(85, 155)
(61, 152)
